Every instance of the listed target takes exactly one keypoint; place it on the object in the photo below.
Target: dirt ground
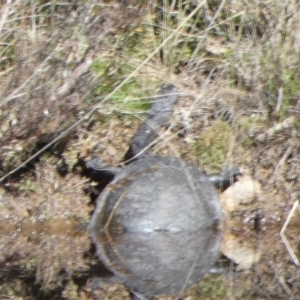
(62, 73)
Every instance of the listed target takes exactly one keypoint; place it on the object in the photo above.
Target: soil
(45, 206)
(47, 253)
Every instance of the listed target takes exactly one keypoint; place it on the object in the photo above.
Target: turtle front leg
(224, 179)
(97, 169)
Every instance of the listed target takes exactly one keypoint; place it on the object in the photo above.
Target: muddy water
(255, 263)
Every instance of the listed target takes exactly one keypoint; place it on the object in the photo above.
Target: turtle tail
(159, 113)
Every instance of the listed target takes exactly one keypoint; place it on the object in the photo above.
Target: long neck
(159, 113)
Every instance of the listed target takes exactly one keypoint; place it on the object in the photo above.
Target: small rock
(242, 192)
(241, 252)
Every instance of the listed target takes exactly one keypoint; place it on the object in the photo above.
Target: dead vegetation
(62, 61)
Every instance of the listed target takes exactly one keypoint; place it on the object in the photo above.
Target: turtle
(152, 201)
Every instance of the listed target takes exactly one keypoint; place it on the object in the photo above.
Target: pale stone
(240, 252)
(242, 192)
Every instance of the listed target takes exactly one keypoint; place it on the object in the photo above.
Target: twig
(5, 14)
(209, 27)
(282, 161)
(282, 282)
(269, 134)
(73, 77)
(279, 99)
(287, 244)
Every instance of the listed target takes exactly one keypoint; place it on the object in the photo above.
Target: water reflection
(159, 262)
(57, 256)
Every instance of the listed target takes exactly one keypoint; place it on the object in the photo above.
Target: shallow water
(253, 262)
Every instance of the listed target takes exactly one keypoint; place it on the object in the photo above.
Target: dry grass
(96, 63)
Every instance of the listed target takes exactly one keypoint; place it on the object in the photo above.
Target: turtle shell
(157, 194)
(154, 225)
(159, 262)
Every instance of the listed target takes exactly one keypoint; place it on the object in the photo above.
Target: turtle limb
(96, 167)
(224, 179)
